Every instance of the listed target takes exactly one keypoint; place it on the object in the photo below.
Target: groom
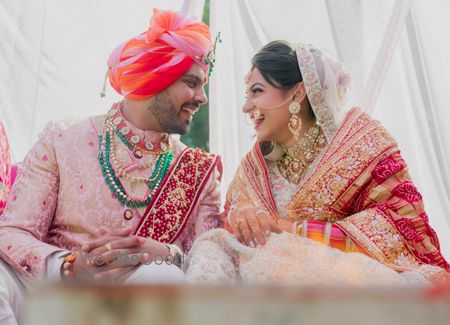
(119, 184)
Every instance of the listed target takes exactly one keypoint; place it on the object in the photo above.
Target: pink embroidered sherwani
(60, 199)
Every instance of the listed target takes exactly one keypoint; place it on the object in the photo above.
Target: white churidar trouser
(13, 287)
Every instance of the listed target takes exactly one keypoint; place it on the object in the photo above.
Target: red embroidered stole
(170, 209)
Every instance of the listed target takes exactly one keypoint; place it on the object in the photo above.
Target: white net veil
(327, 84)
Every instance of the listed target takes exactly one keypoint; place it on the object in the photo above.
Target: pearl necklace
(107, 154)
(120, 170)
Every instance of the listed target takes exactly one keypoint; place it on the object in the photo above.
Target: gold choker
(297, 158)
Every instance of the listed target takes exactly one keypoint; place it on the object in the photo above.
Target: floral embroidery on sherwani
(361, 185)
(60, 198)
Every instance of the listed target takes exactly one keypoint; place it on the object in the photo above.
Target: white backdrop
(396, 53)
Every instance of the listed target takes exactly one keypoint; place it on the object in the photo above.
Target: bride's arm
(326, 233)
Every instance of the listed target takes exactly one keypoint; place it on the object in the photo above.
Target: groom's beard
(168, 116)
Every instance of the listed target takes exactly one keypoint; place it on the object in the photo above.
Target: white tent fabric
(391, 50)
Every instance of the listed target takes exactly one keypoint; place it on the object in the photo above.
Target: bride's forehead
(248, 76)
(254, 75)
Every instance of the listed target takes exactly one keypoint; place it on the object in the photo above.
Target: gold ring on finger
(108, 246)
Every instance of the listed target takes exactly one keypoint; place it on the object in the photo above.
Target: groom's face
(175, 107)
(271, 122)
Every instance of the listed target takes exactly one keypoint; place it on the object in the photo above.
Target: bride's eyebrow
(256, 84)
(253, 86)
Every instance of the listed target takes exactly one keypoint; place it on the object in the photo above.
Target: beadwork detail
(131, 140)
(168, 212)
(108, 160)
(297, 158)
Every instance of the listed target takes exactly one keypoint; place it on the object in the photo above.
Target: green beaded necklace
(153, 182)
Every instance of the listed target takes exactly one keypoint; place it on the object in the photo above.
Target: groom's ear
(300, 93)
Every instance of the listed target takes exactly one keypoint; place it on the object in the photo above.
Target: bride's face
(271, 125)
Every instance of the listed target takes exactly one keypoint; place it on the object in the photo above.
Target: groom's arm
(30, 208)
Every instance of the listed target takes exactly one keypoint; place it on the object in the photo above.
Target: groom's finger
(101, 241)
(116, 243)
(116, 232)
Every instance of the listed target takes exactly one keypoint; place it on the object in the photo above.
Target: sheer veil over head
(326, 82)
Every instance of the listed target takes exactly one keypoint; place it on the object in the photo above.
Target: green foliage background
(198, 136)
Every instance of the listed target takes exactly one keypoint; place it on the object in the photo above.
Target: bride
(324, 197)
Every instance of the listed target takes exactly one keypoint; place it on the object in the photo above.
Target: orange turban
(151, 62)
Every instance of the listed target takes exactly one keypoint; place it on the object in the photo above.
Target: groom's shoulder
(197, 154)
(200, 154)
(58, 128)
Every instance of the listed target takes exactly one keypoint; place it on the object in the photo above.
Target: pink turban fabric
(152, 61)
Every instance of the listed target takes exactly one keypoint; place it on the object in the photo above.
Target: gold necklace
(297, 158)
(133, 140)
(110, 128)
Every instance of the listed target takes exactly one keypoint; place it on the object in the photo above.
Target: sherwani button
(138, 153)
(128, 214)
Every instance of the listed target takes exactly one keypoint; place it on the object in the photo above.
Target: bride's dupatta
(359, 184)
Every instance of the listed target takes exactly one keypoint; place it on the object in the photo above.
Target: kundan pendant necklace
(108, 159)
(293, 164)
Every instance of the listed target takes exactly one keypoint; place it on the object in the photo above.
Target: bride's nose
(248, 106)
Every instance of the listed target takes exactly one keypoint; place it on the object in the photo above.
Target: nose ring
(257, 113)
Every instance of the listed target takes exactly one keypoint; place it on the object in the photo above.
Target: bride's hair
(278, 64)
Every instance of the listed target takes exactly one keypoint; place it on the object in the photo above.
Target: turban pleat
(154, 60)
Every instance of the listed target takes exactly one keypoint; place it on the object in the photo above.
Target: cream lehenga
(359, 219)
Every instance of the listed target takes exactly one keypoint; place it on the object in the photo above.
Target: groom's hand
(116, 240)
(117, 248)
(251, 225)
(89, 266)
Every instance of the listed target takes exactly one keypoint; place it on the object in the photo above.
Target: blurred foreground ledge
(175, 304)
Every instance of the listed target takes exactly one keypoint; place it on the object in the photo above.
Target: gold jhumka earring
(295, 123)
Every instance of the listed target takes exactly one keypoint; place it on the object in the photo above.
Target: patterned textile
(5, 168)
(326, 82)
(286, 259)
(169, 211)
(282, 189)
(60, 199)
(360, 185)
